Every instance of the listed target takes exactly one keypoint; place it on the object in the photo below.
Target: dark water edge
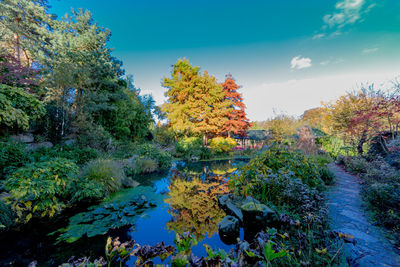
(31, 242)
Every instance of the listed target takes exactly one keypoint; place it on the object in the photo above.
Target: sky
(287, 55)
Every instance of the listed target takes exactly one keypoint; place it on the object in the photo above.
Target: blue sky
(288, 55)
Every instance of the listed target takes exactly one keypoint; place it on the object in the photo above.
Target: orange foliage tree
(237, 122)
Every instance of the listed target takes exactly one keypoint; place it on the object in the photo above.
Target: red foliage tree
(237, 123)
(381, 115)
(13, 73)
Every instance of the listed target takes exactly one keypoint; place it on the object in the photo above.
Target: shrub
(163, 135)
(335, 146)
(145, 165)
(85, 189)
(277, 159)
(42, 188)
(153, 152)
(108, 172)
(206, 153)
(355, 164)
(326, 175)
(7, 216)
(124, 149)
(94, 136)
(79, 155)
(12, 157)
(285, 179)
(222, 145)
(189, 147)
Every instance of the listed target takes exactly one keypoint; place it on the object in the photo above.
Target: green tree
(18, 108)
(24, 29)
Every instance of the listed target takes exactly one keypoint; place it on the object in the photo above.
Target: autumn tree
(237, 122)
(380, 116)
(196, 102)
(281, 127)
(319, 118)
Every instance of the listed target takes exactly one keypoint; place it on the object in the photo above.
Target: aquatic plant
(112, 214)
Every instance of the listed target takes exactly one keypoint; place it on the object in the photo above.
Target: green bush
(85, 189)
(18, 108)
(145, 165)
(279, 159)
(94, 136)
(335, 146)
(326, 175)
(7, 216)
(42, 188)
(12, 157)
(355, 164)
(222, 145)
(108, 172)
(79, 155)
(164, 136)
(284, 178)
(153, 152)
(188, 147)
(124, 149)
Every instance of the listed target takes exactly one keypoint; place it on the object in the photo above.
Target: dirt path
(348, 216)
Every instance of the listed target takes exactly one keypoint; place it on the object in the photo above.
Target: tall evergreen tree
(24, 29)
(237, 122)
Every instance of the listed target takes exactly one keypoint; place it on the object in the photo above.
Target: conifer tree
(237, 121)
(196, 103)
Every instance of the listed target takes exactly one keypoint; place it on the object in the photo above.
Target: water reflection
(194, 207)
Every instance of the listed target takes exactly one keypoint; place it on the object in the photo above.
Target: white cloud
(318, 36)
(346, 12)
(370, 50)
(300, 63)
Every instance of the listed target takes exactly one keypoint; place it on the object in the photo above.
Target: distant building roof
(254, 135)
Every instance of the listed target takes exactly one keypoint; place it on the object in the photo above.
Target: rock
(35, 146)
(130, 183)
(222, 199)
(131, 160)
(256, 217)
(23, 138)
(231, 209)
(70, 142)
(250, 199)
(229, 229)
(227, 203)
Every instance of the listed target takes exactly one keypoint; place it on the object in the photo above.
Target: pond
(164, 204)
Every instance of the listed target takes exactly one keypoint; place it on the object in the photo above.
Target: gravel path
(348, 216)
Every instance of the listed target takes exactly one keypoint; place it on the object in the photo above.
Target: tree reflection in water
(194, 205)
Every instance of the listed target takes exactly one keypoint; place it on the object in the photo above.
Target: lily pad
(120, 210)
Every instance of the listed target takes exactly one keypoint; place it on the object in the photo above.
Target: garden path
(347, 214)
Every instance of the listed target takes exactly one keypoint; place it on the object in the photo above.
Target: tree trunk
(360, 149)
(17, 48)
(205, 140)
